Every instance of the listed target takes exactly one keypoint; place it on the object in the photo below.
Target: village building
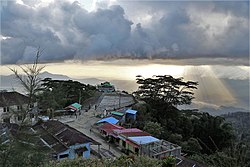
(110, 120)
(125, 143)
(72, 109)
(13, 104)
(107, 131)
(117, 115)
(106, 87)
(136, 141)
(64, 141)
(75, 107)
(130, 115)
(159, 149)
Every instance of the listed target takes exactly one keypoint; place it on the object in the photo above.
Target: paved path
(83, 124)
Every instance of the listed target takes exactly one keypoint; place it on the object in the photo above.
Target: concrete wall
(15, 108)
(1, 112)
(72, 154)
(127, 146)
(86, 154)
(131, 116)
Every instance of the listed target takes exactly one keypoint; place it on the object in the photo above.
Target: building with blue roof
(130, 114)
(143, 139)
(129, 111)
(110, 120)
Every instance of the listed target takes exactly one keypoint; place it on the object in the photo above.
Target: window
(137, 150)
(18, 108)
(63, 156)
(19, 118)
(6, 109)
(6, 120)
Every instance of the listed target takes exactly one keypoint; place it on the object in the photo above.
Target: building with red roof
(136, 141)
(107, 129)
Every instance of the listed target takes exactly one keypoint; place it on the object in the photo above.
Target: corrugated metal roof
(127, 130)
(108, 128)
(117, 113)
(143, 139)
(111, 120)
(76, 105)
(12, 98)
(61, 136)
(131, 134)
(129, 111)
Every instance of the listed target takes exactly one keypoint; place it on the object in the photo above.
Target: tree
(153, 128)
(22, 148)
(30, 82)
(192, 146)
(122, 161)
(57, 94)
(165, 89)
(213, 133)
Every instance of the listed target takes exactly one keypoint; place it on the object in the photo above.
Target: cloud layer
(65, 30)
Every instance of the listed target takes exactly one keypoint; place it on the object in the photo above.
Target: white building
(13, 105)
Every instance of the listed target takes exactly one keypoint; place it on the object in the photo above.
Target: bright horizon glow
(121, 72)
(129, 69)
(211, 90)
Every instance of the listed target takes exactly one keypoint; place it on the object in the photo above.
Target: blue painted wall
(72, 153)
(132, 116)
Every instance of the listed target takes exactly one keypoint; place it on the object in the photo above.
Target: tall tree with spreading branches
(22, 147)
(30, 81)
(165, 89)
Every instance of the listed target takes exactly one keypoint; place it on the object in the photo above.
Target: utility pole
(119, 100)
(80, 96)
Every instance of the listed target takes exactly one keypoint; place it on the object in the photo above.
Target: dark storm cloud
(173, 30)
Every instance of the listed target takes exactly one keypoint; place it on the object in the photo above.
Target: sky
(91, 30)
(204, 41)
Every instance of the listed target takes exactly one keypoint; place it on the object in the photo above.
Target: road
(83, 124)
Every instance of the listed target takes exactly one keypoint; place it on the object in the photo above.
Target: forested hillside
(241, 124)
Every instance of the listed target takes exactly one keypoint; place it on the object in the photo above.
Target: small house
(64, 141)
(125, 143)
(107, 130)
(130, 115)
(74, 107)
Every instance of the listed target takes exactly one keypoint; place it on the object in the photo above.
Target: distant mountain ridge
(9, 82)
(222, 110)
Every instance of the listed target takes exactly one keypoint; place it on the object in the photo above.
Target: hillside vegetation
(124, 161)
(207, 139)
